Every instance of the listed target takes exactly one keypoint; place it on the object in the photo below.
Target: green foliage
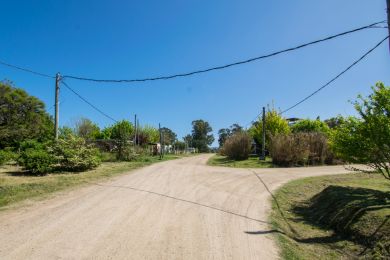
(237, 146)
(225, 133)
(310, 126)
(87, 129)
(106, 133)
(335, 122)
(367, 140)
(148, 134)
(169, 137)
(35, 157)
(298, 149)
(123, 132)
(74, 154)
(179, 145)
(64, 131)
(22, 117)
(201, 136)
(6, 156)
(275, 124)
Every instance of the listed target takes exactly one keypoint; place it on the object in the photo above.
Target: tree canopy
(201, 136)
(22, 117)
(367, 139)
(275, 124)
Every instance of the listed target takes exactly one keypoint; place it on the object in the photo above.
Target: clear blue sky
(134, 39)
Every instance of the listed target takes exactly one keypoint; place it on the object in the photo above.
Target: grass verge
(251, 162)
(333, 217)
(16, 185)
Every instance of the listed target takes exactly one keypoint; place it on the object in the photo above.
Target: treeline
(27, 137)
(361, 139)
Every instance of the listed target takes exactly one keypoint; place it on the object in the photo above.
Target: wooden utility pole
(388, 19)
(159, 130)
(56, 104)
(135, 129)
(262, 157)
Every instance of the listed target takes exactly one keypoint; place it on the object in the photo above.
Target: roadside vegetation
(34, 163)
(345, 216)
(293, 142)
(333, 217)
(17, 184)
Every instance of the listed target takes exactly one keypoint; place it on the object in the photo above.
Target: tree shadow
(344, 210)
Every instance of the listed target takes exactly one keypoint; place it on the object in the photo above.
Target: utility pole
(135, 130)
(262, 157)
(56, 104)
(159, 130)
(388, 19)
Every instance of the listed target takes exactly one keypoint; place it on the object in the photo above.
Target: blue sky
(135, 39)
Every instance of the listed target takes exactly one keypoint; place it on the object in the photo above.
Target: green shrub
(6, 156)
(367, 139)
(238, 146)
(73, 154)
(37, 161)
(300, 149)
(310, 126)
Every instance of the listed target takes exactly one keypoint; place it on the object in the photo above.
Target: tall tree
(201, 135)
(367, 139)
(168, 135)
(22, 117)
(86, 129)
(223, 135)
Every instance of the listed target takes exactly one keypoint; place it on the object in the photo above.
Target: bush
(36, 160)
(238, 146)
(6, 156)
(73, 154)
(366, 139)
(300, 149)
(310, 126)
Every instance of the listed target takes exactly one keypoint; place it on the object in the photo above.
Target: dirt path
(180, 209)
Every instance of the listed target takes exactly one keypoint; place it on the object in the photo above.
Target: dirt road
(179, 209)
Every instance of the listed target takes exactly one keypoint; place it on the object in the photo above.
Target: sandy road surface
(180, 209)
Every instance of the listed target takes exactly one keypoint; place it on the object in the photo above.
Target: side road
(180, 209)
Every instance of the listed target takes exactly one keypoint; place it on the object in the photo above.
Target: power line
(329, 82)
(26, 70)
(339, 75)
(89, 103)
(227, 65)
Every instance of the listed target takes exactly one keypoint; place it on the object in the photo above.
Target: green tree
(367, 139)
(122, 132)
(274, 124)
(310, 126)
(87, 129)
(225, 133)
(148, 134)
(201, 135)
(188, 140)
(22, 117)
(335, 122)
(168, 135)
